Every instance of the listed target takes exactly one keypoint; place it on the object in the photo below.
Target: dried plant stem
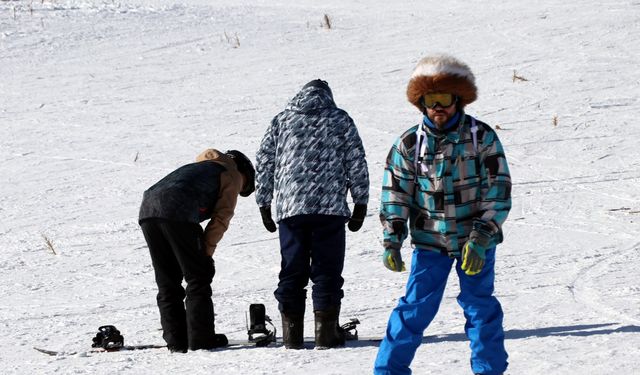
(326, 22)
(516, 77)
(49, 244)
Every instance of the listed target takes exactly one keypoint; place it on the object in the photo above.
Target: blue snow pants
(416, 310)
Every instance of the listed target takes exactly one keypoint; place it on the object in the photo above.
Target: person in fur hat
(170, 216)
(446, 184)
(310, 158)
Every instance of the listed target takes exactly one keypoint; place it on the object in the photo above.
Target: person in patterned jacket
(447, 184)
(310, 156)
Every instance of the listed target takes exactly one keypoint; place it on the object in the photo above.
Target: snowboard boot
(217, 341)
(293, 330)
(328, 331)
(177, 348)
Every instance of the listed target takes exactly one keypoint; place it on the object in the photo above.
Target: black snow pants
(177, 252)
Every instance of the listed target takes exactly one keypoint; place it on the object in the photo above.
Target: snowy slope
(100, 99)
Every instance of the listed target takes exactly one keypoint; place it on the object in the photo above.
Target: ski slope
(101, 98)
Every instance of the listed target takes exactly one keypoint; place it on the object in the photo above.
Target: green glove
(392, 259)
(473, 256)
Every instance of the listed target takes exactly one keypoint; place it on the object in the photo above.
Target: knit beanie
(245, 167)
(316, 83)
(321, 84)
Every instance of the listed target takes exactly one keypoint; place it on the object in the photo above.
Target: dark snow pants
(425, 289)
(312, 247)
(177, 252)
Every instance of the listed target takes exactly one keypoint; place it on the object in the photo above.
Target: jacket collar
(453, 130)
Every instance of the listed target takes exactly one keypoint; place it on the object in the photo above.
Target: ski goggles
(444, 100)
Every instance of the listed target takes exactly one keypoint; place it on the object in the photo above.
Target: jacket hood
(213, 154)
(315, 95)
(219, 157)
(241, 167)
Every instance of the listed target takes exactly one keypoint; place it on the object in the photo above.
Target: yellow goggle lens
(444, 100)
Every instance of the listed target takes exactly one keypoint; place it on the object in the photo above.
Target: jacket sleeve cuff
(485, 234)
(480, 239)
(391, 245)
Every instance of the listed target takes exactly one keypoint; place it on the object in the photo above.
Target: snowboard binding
(257, 329)
(350, 329)
(108, 338)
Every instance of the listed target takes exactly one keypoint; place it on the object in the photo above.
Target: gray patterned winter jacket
(309, 157)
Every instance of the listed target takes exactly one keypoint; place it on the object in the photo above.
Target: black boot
(328, 331)
(293, 330)
(218, 340)
(177, 349)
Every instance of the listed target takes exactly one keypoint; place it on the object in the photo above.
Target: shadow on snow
(583, 330)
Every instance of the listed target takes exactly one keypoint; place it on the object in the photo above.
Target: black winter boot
(292, 330)
(218, 340)
(177, 349)
(328, 331)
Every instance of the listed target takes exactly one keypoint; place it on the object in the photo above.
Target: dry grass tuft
(233, 40)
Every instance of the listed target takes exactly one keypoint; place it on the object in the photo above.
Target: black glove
(268, 222)
(357, 217)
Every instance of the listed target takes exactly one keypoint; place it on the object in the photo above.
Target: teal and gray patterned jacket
(310, 156)
(457, 191)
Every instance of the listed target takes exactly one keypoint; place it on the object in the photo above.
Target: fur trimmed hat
(442, 74)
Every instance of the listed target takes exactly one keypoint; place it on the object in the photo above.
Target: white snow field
(101, 98)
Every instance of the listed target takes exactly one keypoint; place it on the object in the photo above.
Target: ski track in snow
(100, 99)
(587, 285)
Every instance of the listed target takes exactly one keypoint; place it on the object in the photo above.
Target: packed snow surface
(100, 99)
